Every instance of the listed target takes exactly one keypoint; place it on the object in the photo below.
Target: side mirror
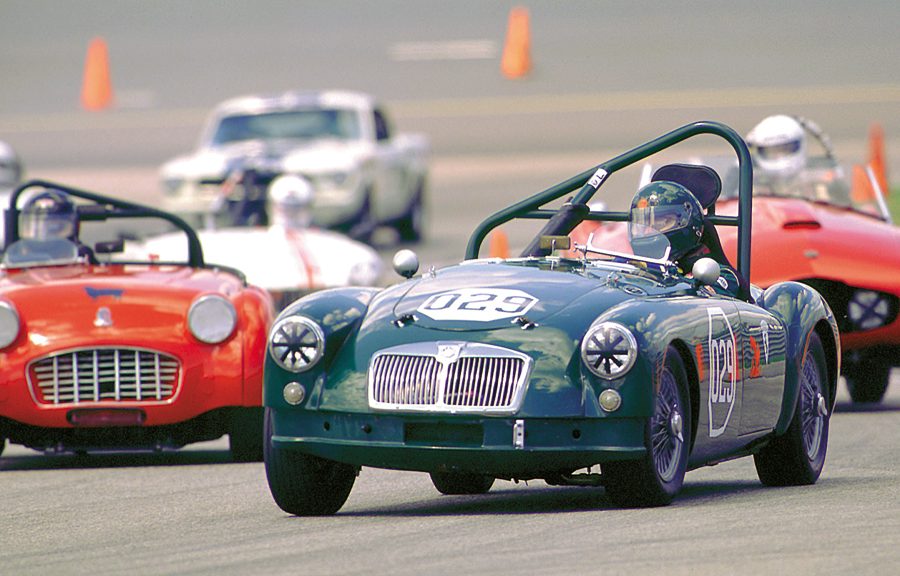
(110, 247)
(554, 243)
(706, 271)
(406, 263)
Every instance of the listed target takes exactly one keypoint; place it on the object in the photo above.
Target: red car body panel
(147, 305)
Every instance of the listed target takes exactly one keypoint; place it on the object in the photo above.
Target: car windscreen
(305, 124)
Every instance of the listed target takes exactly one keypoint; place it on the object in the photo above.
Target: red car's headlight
(9, 324)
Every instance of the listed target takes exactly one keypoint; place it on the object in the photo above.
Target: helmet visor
(778, 151)
(43, 226)
(661, 218)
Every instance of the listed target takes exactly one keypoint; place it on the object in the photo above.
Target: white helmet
(779, 143)
(289, 200)
(10, 166)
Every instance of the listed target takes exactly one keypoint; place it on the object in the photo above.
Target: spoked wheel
(867, 379)
(798, 456)
(657, 477)
(305, 485)
(451, 483)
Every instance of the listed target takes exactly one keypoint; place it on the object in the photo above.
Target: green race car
(547, 366)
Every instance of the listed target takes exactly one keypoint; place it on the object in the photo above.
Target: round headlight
(608, 350)
(296, 343)
(9, 324)
(212, 319)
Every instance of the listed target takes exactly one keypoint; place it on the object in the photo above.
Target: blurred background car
(363, 174)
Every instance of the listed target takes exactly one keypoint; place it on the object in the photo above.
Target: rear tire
(245, 434)
(867, 380)
(455, 483)
(797, 457)
(305, 485)
(656, 478)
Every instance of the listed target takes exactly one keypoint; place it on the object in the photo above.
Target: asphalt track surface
(607, 76)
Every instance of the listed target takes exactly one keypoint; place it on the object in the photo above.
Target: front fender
(338, 312)
(802, 310)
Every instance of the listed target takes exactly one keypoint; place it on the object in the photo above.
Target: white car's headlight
(296, 343)
(9, 324)
(608, 350)
(212, 319)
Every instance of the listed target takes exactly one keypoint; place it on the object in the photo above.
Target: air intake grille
(448, 377)
(104, 374)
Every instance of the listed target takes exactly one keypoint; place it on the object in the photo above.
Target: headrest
(703, 181)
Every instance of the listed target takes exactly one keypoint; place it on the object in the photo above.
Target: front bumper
(461, 444)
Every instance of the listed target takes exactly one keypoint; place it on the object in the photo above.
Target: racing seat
(705, 184)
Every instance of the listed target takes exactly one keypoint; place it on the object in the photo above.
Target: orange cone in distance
(861, 192)
(96, 90)
(876, 157)
(516, 61)
(499, 244)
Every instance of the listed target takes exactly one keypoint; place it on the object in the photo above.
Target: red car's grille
(104, 374)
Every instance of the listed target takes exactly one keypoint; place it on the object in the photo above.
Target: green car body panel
(742, 358)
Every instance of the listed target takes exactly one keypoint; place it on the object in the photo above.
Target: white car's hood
(298, 156)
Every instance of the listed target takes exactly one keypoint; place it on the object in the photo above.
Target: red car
(100, 353)
(821, 233)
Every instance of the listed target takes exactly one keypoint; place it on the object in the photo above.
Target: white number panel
(478, 304)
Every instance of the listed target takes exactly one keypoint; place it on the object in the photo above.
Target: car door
(393, 195)
(762, 357)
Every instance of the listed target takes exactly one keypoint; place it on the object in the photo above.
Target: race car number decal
(722, 371)
(477, 304)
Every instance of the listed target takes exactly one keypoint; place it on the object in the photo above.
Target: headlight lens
(608, 350)
(9, 324)
(296, 343)
(212, 319)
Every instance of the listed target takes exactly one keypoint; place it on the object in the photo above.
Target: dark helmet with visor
(49, 214)
(665, 214)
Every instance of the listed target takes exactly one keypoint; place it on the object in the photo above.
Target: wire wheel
(666, 428)
(812, 419)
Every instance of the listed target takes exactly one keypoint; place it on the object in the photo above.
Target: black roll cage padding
(560, 224)
(104, 208)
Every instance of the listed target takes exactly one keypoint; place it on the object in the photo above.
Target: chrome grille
(104, 374)
(448, 377)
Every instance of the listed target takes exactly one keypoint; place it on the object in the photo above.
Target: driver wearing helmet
(778, 144)
(665, 215)
(52, 216)
(289, 199)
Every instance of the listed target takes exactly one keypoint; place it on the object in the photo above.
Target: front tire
(455, 483)
(655, 479)
(867, 380)
(797, 457)
(305, 485)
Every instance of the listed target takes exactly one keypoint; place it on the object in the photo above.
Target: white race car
(289, 258)
(363, 174)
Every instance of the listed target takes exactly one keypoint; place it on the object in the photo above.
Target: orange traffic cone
(876, 156)
(516, 61)
(861, 192)
(96, 90)
(499, 244)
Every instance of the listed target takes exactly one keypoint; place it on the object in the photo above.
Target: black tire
(364, 225)
(245, 434)
(656, 478)
(305, 485)
(411, 227)
(797, 457)
(2, 444)
(867, 380)
(454, 483)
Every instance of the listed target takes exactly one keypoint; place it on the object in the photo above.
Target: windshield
(27, 253)
(307, 124)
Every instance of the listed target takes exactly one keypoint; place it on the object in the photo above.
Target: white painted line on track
(449, 50)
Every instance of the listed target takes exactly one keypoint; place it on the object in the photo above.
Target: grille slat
(104, 374)
(472, 382)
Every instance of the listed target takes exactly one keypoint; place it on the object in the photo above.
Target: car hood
(305, 156)
(59, 305)
(795, 239)
(486, 296)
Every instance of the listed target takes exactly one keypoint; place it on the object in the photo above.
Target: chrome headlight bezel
(296, 343)
(212, 319)
(601, 350)
(10, 324)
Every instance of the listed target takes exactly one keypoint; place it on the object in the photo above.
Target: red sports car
(100, 353)
(821, 233)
